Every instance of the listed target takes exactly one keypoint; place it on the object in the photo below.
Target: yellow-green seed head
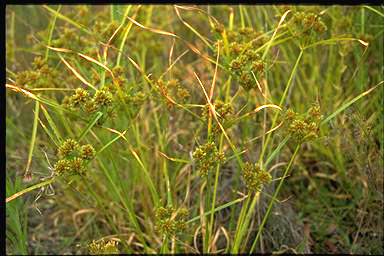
(103, 247)
(68, 148)
(87, 152)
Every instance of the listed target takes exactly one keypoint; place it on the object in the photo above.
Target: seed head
(254, 177)
(87, 152)
(103, 247)
(68, 148)
(169, 221)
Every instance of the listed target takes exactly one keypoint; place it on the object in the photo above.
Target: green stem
(227, 98)
(274, 197)
(51, 33)
(33, 138)
(215, 188)
(236, 243)
(241, 17)
(247, 218)
(280, 104)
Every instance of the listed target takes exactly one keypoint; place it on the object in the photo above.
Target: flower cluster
(225, 111)
(103, 247)
(81, 100)
(241, 36)
(254, 177)
(42, 76)
(243, 66)
(207, 157)
(306, 26)
(115, 95)
(68, 148)
(112, 97)
(169, 221)
(171, 89)
(243, 58)
(73, 158)
(302, 127)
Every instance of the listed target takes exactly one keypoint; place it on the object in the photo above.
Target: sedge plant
(177, 129)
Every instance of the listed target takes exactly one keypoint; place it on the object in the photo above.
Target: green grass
(215, 129)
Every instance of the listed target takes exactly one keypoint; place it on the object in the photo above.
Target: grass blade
(52, 124)
(192, 29)
(349, 103)
(221, 207)
(51, 32)
(65, 18)
(374, 10)
(49, 134)
(274, 34)
(276, 151)
(90, 125)
(33, 138)
(82, 79)
(148, 179)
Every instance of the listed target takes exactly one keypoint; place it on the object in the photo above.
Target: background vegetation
(162, 128)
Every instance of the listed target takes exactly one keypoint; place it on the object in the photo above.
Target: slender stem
(236, 243)
(210, 227)
(281, 102)
(33, 137)
(246, 216)
(51, 33)
(215, 188)
(274, 197)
